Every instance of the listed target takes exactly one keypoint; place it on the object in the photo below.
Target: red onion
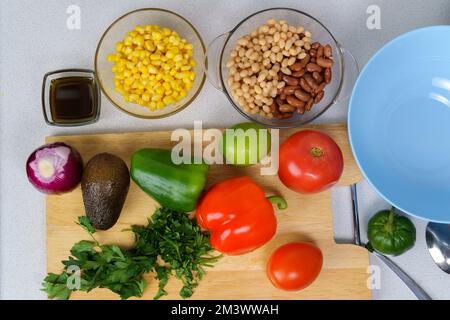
(55, 168)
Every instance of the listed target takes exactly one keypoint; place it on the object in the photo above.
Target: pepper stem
(278, 201)
(316, 152)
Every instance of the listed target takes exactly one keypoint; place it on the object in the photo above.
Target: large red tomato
(310, 162)
(294, 266)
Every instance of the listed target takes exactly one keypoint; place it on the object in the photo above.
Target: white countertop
(34, 39)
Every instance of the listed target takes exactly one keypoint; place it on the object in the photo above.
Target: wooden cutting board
(308, 218)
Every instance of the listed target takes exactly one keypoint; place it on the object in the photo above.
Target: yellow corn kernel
(156, 98)
(111, 57)
(155, 56)
(139, 29)
(138, 40)
(160, 105)
(148, 45)
(182, 94)
(167, 100)
(128, 41)
(152, 70)
(178, 57)
(156, 36)
(170, 54)
(133, 97)
(160, 46)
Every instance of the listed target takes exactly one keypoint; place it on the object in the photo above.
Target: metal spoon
(356, 240)
(438, 242)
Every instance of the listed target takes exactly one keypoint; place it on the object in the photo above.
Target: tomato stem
(316, 152)
(278, 201)
(390, 223)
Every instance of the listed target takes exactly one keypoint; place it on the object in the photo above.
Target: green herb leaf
(84, 222)
(56, 286)
(169, 235)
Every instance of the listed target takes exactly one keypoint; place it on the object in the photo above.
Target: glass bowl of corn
(149, 63)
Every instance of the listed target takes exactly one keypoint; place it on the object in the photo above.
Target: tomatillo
(390, 233)
(245, 144)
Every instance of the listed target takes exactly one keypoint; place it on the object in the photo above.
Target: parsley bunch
(171, 236)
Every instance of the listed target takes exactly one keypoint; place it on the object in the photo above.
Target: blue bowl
(399, 123)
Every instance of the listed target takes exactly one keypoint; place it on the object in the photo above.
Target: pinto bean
(327, 75)
(299, 74)
(317, 76)
(309, 104)
(305, 86)
(293, 101)
(288, 90)
(279, 101)
(327, 51)
(312, 67)
(302, 95)
(311, 82)
(286, 108)
(324, 62)
(319, 96)
(301, 109)
(273, 107)
(296, 67)
(320, 52)
(321, 86)
(290, 81)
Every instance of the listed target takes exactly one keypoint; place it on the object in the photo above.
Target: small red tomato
(310, 162)
(294, 266)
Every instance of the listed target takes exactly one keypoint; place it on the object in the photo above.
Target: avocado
(104, 186)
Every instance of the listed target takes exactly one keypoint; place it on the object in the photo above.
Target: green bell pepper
(174, 186)
(390, 233)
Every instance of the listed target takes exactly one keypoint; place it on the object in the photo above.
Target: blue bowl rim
(350, 108)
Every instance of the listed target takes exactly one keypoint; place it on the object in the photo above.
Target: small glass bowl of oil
(70, 97)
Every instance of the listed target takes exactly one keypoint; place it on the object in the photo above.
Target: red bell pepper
(238, 215)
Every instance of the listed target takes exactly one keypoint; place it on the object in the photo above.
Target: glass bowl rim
(182, 107)
(254, 119)
(44, 94)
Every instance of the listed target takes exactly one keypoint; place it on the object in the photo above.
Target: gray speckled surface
(34, 39)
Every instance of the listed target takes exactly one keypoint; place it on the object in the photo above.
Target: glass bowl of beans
(149, 63)
(281, 68)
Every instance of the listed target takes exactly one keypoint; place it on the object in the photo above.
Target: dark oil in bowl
(73, 100)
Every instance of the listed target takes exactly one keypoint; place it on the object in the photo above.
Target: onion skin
(62, 163)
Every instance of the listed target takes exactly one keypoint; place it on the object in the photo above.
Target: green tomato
(390, 233)
(244, 144)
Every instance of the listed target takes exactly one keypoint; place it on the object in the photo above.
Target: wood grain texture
(308, 218)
